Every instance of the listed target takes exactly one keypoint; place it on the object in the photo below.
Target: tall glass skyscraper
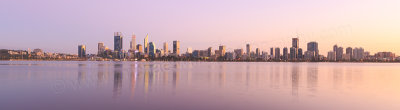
(313, 47)
(146, 44)
(176, 47)
(118, 41)
(81, 51)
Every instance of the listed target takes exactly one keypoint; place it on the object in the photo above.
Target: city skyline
(368, 24)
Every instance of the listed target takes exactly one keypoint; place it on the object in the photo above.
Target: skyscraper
(349, 51)
(140, 48)
(222, 49)
(339, 54)
(300, 54)
(146, 44)
(176, 47)
(248, 49)
(277, 53)
(165, 48)
(312, 47)
(295, 45)
(285, 53)
(81, 51)
(358, 54)
(271, 52)
(152, 49)
(118, 41)
(293, 53)
(100, 49)
(133, 43)
(258, 52)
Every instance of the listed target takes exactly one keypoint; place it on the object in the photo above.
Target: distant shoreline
(210, 61)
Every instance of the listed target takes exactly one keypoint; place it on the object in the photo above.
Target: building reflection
(222, 75)
(117, 80)
(312, 78)
(337, 77)
(295, 76)
(81, 74)
(175, 75)
(146, 78)
(100, 74)
(133, 78)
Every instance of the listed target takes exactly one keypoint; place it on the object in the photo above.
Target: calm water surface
(31, 85)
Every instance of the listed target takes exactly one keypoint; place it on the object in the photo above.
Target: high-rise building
(285, 53)
(81, 51)
(165, 48)
(295, 45)
(248, 49)
(312, 47)
(271, 52)
(277, 53)
(133, 43)
(239, 53)
(335, 48)
(358, 54)
(146, 44)
(293, 53)
(349, 51)
(118, 41)
(300, 54)
(209, 52)
(331, 56)
(258, 52)
(152, 49)
(339, 54)
(189, 50)
(100, 49)
(176, 47)
(222, 50)
(140, 48)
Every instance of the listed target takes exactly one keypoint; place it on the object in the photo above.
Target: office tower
(295, 45)
(312, 48)
(152, 49)
(81, 51)
(258, 52)
(272, 52)
(358, 54)
(339, 54)
(335, 48)
(331, 56)
(300, 54)
(176, 47)
(285, 53)
(222, 50)
(239, 53)
(209, 51)
(349, 51)
(293, 53)
(146, 44)
(100, 49)
(189, 50)
(118, 41)
(133, 43)
(140, 48)
(277, 53)
(248, 49)
(165, 48)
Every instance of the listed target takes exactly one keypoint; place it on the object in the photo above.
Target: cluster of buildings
(148, 51)
(36, 54)
(294, 53)
(136, 51)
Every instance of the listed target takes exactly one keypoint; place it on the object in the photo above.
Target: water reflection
(211, 85)
(117, 80)
(312, 78)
